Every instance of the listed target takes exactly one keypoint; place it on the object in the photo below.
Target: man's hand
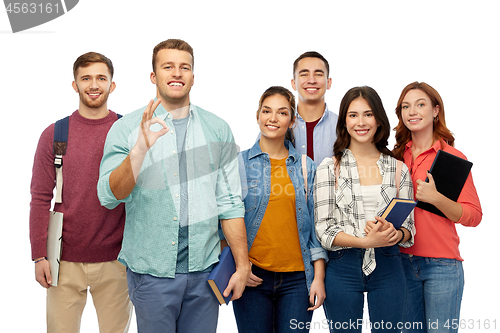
(253, 280)
(147, 138)
(236, 235)
(42, 273)
(122, 180)
(238, 282)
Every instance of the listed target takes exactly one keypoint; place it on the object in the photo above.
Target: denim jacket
(255, 168)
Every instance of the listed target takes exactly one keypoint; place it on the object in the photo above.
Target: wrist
(403, 235)
(137, 153)
(245, 267)
(364, 243)
(37, 260)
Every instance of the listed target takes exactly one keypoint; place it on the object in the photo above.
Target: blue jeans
(277, 305)
(346, 284)
(434, 288)
(182, 304)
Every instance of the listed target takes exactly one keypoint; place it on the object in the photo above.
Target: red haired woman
(433, 265)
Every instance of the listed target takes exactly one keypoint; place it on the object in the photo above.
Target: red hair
(403, 134)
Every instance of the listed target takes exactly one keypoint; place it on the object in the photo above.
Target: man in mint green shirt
(175, 167)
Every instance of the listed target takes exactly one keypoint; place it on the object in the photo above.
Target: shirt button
(176, 195)
(173, 151)
(175, 218)
(303, 146)
(175, 174)
(173, 243)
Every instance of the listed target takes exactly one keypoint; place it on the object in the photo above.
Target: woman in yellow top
(288, 262)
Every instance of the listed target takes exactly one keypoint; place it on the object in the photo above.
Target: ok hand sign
(147, 137)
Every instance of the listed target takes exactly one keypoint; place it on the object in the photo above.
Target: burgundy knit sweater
(91, 233)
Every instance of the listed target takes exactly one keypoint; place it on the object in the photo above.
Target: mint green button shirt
(152, 209)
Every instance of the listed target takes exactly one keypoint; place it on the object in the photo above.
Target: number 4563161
(32, 8)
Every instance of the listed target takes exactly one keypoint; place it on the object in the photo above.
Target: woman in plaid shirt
(351, 190)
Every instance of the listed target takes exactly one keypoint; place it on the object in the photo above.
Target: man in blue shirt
(315, 129)
(175, 167)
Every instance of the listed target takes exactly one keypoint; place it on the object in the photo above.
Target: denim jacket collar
(293, 154)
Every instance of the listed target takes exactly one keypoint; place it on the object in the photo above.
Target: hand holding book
(380, 233)
(448, 174)
(428, 193)
(426, 190)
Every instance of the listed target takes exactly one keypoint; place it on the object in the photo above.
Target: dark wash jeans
(346, 284)
(278, 305)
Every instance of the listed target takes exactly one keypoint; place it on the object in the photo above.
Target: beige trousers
(107, 283)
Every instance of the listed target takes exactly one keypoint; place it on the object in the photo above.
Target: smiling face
(93, 84)
(173, 77)
(274, 117)
(360, 122)
(417, 111)
(311, 80)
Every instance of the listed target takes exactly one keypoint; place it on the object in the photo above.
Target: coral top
(436, 236)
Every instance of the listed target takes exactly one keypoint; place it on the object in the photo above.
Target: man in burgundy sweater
(92, 234)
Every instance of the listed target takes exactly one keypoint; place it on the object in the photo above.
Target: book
(450, 173)
(220, 275)
(54, 244)
(398, 210)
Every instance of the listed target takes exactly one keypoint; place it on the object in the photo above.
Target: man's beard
(91, 103)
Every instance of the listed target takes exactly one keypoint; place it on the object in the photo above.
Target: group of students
(313, 187)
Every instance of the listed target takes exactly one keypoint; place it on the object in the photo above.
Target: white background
(240, 50)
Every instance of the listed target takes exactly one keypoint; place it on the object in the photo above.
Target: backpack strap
(59, 148)
(304, 172)
(399, 167)
(61, 129)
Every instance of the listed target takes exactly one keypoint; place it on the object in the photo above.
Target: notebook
(450, 173)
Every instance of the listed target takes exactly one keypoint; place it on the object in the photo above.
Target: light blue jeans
(434, 288)
(184, 304)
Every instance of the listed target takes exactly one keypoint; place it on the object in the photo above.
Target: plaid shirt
(341, 209)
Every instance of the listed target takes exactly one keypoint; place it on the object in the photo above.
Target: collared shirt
(152, 209)
(437, 236)
(341, 209)
(255, 176)
(324, 135)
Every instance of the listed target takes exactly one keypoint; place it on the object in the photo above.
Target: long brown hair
(278, 90)
(403, 134)
(383, 131)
